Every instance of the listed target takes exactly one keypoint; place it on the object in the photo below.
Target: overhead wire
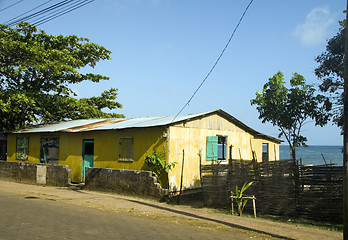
(71, 3)
(11, 5)
(28, 11)
(216, 62)
(61, 13)
(49, 13)
(43, 11)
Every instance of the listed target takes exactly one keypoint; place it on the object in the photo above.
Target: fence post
(296, 169)
(254, 206)
(232, 210)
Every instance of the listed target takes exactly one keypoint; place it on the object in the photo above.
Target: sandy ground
(178, 214)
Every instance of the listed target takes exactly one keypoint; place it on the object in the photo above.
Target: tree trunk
(293, 153)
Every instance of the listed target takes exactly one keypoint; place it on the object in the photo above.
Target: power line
(216, 62)
(28, 11)
(49, 13)
(43, 11)
(69, 4)
(11, 5)
(61, 13)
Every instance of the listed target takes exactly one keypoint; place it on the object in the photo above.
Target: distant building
(189, 140)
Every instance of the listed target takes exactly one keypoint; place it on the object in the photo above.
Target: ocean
(315, 155)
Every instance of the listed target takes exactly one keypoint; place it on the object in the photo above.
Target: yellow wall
(273, 149)
(184, 142)
(187, 143)
(106, 148)
(34, 148)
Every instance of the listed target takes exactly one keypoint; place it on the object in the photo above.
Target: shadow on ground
(197, 204)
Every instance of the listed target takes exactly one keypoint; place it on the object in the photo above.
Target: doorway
(87, 155)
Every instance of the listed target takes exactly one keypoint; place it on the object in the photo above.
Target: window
(125, 149)
(265, 152)
(221, 148)
(216, 148)
(22, 148)
(49, 150)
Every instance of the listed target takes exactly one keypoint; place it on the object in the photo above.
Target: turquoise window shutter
(212, 148)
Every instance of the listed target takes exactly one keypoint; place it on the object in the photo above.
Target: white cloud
(315, 30)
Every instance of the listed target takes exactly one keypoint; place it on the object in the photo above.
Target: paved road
(30, 217)
(43, 212)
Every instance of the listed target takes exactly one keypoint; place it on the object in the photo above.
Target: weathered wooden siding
(187, 143)
(106, 148)
(183, 143)
(273, 150)
(34, 148)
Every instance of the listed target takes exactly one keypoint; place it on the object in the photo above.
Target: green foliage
(290, 108)
(36, 72)
(157, 163)
(238, 194)
(331, 72)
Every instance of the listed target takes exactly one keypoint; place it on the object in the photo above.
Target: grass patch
(305, 222)
(300, 222)
(287, 220)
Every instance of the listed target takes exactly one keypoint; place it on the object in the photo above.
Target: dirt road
(122, 217)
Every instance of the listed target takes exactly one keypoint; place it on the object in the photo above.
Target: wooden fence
(281, 188)
(321, 193)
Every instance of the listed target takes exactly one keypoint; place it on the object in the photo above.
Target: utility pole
(345, 134)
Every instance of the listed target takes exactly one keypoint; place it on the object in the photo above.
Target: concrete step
(76, 186)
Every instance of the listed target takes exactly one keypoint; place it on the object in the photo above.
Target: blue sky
(163, 49)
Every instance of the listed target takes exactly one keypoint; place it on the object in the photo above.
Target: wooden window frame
(19, 149)
(48, 144)
(224, 148)
(265, 154)
(130, 148)
(212, 151)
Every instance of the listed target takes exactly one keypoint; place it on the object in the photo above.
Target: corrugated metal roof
(59, 126)
(95, 125)
(151, 121)
(123, 123)
(107, 124)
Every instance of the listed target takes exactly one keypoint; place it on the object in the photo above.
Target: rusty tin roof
(84, 125)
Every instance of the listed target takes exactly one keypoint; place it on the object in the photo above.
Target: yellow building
(189, 140)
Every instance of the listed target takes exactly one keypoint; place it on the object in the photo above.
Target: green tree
(290, 108)
(36, 72)
(158, 165)
(331, 72)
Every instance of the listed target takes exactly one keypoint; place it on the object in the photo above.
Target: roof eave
(235, 121)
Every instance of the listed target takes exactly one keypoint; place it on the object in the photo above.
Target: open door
(87, 155)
